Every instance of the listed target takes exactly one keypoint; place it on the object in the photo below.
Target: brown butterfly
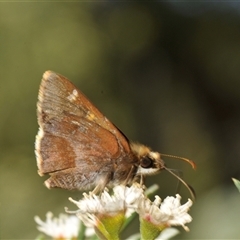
(80, 148)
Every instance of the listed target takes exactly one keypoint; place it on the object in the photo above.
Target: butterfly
(79, 148)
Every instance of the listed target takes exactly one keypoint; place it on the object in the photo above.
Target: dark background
(167, 74)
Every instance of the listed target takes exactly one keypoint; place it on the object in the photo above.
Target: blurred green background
(167, 74)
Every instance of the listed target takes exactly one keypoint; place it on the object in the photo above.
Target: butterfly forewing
(76, 143)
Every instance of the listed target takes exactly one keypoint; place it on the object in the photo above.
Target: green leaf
(40, 237)
(81, 234)
(152, 190)
(237, 183)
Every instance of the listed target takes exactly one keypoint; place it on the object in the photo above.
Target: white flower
(123, 199)
(64, 227)
(168, 213)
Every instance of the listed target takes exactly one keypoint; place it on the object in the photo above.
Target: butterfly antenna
(190, 189)
(181, 158)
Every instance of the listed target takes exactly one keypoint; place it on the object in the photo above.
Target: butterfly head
(149, 161)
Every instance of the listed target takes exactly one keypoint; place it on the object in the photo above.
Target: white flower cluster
(64, 227)
(125, 200)
(168, 213)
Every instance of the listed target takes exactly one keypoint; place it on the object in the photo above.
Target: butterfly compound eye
(146, 162)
